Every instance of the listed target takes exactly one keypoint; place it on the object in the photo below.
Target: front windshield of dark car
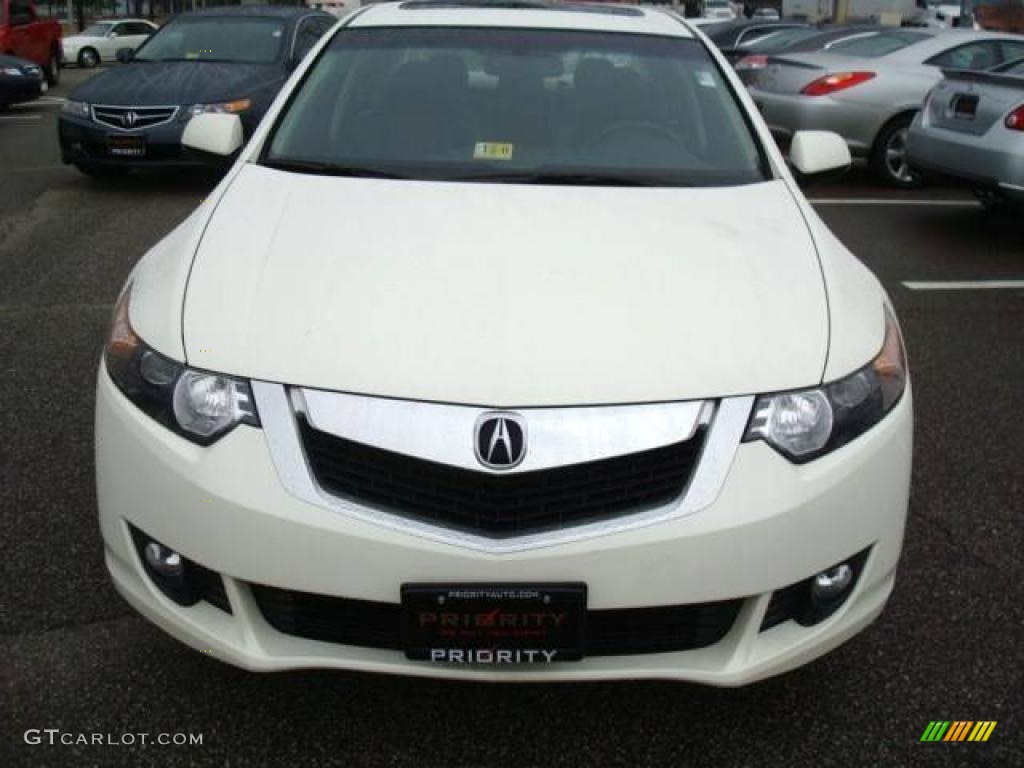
(535, 106)
(252, 40)
(877, 45)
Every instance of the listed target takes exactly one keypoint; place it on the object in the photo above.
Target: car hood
(507, 295)
(175, 82)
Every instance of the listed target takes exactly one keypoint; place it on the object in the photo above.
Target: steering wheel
(637, 127)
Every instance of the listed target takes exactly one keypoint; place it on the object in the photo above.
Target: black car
(217, 60)
(20, 80)
(730, 36)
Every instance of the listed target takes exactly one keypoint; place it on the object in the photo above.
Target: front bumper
(17, 90)
(773, 524)
(983, 162)
(788, 113)
(83, 141)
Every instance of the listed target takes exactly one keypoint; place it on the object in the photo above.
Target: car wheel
(53, 70)
(88, 58)
(889, 157)
(102, 172)
(992, 201)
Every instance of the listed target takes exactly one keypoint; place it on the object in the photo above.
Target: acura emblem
(129, 118)
(500, 439)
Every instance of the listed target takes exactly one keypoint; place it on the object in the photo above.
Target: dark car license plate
(126, 146)
(494, 623)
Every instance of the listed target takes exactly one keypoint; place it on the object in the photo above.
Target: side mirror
(817, 152)
(124, 55)
(214, 133)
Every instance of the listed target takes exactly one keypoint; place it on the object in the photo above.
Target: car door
(21, 19)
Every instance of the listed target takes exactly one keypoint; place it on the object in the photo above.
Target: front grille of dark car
(495, 505)
(132, 118)
(617, 632)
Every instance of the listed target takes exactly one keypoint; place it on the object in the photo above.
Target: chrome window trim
(727, 421)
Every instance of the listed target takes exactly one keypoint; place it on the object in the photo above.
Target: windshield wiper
(570, 179)
(330, 169)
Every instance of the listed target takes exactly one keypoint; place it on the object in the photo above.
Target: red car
(24, 33)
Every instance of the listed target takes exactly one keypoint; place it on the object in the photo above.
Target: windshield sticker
(705, 79)
(491, 150)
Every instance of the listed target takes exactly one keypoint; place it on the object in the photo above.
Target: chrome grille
(132, 118)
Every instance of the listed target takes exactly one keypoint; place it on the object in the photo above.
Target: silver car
(972, 129)
(868, 89)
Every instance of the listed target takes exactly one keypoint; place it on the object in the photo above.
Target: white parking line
(19, 118)
(963, 285)
(42, 101)
(890, 201)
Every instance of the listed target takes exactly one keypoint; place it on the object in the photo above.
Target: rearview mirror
(213, 132)
(124, 55)
(816, 152)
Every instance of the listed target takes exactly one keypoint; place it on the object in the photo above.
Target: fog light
(165, 562)
(832, 584)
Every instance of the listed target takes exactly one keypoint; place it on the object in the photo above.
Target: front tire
(88, 58)
(53, 69)
(889, 156)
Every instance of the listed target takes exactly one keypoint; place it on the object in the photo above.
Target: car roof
(533, 14)
(729, 28)
(940, 40)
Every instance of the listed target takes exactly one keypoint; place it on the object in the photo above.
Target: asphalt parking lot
(75, 657)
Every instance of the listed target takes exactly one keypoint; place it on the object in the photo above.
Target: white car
(578, 387)
(101, 41)
(718, 10)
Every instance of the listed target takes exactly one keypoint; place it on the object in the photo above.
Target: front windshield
(251, 40)
(539, 106)
(96, 30)
(877, 45)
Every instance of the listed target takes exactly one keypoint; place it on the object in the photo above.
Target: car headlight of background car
(807, 423)
(76, 109)
(199, 405)
(224, 107)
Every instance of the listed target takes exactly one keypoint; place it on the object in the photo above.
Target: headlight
(199, 405)
(808, 423)
(224, 107)
(13, 71)
(76, 109)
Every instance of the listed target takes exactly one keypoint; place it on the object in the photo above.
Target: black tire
(102, 172)
(889, 155)
(88, 58)
(994, 203)
(53, 69)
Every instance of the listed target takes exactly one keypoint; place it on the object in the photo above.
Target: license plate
(126, 146)
(494, 624)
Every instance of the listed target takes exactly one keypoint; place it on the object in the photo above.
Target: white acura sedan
(508, 349)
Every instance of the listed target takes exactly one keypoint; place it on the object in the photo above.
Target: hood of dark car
(177, 82)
